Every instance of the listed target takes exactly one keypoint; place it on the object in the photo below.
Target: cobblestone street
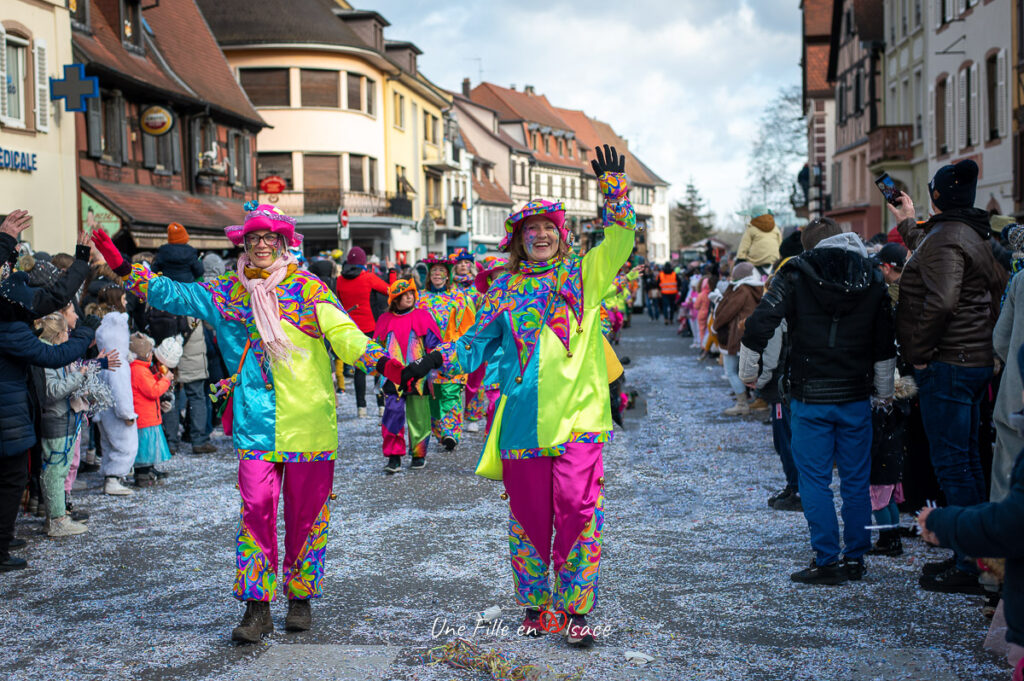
(695, 568)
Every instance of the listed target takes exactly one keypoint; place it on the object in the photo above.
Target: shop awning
(146, 211)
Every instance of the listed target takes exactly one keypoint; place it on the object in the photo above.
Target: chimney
(512, 87)
(528, 89)
(465, 87)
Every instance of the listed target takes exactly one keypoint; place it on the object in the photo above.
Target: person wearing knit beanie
(169, 352)
(176, 234)
(356, 256)
(955, 186)
(140, 345)
(818, 229)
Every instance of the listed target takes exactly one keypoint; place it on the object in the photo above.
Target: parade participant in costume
(492, 379)
(464, 280)
(553, 416)
(409, 333)
(614, 304)
(119, 435)
(454, 314)
(270, 319)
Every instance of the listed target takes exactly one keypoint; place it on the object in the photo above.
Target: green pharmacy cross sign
(74, 88)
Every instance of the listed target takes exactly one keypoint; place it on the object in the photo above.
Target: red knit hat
(176, 234)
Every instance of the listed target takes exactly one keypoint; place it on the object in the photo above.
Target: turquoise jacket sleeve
(466, 353)
(172, 296)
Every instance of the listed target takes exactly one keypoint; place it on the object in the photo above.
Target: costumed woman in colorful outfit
(454, 314)
(553, 415)
(409, 333)
(271, 321)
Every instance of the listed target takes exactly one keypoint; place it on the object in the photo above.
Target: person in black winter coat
(19, 350)
(176, 259)
(842, 354)
(990, 530)
(25, 302)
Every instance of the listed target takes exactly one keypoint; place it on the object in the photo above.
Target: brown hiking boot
(759, 405)
(300, 616)
(255, 622)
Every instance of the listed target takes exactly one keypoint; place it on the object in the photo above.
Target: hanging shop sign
(156, 120)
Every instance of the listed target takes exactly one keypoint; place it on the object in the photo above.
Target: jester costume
(614, 304)
(284, 424)
(408, 336)
(465, 283)
(553, 416)
(453, 314)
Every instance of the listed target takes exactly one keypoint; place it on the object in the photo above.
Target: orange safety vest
(668, 283)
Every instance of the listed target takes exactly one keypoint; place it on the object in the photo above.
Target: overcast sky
(684, 81)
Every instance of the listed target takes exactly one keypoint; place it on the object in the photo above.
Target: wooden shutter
(122, 130)
(266, 87)
(42, 86)
(321, 171)
(319, 88)
(3, 76)
(974, 130)
(932, 132)
(246, 161)
(949, 11)
(232, 161)
(961, 109)
(948, 127)
(1002, 115)
(175, 134)
(94, 127)
(148, 150)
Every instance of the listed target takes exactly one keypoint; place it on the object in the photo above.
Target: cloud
(684, 81)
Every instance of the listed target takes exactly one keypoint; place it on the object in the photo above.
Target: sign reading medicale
(11, 159)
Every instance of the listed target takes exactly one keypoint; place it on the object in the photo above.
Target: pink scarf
(266, 312)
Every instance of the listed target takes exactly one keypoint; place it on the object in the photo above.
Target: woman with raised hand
(553, 415)
(271, 319)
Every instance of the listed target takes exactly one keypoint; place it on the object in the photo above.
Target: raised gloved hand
(608, 162)
(420, 368)
(101, 240)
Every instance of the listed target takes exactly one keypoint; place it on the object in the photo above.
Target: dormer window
(79, 11)
(131, 24)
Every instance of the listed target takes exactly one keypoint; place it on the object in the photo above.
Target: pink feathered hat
(264, 216)
(554, 211)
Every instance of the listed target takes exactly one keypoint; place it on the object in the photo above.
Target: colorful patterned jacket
(453, 312)
(545, 319)
(281, 413)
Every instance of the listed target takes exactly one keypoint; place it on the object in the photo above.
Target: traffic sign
(344, 218)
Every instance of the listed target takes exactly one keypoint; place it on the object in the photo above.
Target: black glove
(90, 321)
(608, 162)
(420, 368)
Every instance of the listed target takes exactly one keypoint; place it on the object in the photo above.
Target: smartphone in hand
(888, 187)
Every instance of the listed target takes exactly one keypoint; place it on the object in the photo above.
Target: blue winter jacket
(19, 349)
(179, 262)
(992, 531)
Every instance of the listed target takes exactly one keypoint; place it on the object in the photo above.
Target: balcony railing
(890, 143)
(330, 201)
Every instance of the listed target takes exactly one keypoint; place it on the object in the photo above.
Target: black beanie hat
(955, 186)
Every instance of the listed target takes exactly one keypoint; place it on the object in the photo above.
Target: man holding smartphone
(949, 302)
